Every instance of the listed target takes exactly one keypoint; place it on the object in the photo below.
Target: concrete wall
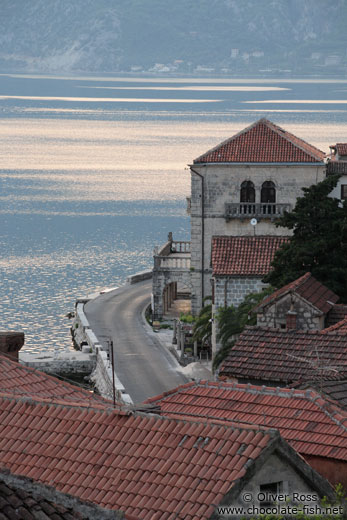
(222, 185)
(337, 190)
(139, 277)
(307, 318)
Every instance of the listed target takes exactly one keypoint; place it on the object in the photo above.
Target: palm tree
(202, 329)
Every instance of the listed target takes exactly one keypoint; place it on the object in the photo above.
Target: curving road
(142, 364)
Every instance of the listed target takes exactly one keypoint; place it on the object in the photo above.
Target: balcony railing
(243, 210)
(180, 246)
(173, 262)
(174, 254)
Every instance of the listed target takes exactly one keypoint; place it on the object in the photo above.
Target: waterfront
(91, 179)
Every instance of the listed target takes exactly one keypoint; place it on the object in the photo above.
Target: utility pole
(112, 363)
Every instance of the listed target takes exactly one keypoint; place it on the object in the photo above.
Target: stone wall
(64, 364)
(83, 336)
(278, 469)
(275, 315)
(102, 378)
(232, 290)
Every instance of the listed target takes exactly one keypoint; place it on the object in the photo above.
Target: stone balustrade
(242, 210)
(173, 262)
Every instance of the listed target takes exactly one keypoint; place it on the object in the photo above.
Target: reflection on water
(87, 191)
(196, 88)
(108, 100)
(302, 101)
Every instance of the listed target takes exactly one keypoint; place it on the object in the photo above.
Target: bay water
(93, 175)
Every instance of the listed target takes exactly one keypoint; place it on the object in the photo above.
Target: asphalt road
(142, 364)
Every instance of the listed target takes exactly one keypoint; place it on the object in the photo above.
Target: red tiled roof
(272, 355)
(17, 379)
(310, 424)
(23, 499)
(241, 256)
(337, 313)
(145, 465)
(309, 289)
(341, 148)
(263, 141)
(338, 328)
(333, 390)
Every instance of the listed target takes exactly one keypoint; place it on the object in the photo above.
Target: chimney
(11, 343)
(291, 320)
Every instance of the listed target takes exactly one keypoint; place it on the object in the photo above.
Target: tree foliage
(232, 320)
(202, 329)
(319, 241)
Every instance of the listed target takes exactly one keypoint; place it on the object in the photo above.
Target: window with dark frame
(268, 192)
(343, 191)
(247, 193)
(270, 490)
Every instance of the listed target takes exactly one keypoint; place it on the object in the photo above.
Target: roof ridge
(125, 412)
(289, 136)
(308, 153)
(57, 402)
(229, 139)
(336, 326)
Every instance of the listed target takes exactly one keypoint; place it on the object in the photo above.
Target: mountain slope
(117, 35)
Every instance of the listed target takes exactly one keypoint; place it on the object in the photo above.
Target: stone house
(238, 188)
(239, 265)
(303, 304)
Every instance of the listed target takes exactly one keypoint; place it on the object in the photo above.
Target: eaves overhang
(195, 165)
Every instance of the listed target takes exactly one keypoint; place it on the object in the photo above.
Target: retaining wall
(139, 277)
(85, 339)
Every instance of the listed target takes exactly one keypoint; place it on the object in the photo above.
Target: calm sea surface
(93, 176)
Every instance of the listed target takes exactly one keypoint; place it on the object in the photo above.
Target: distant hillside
(180, 36)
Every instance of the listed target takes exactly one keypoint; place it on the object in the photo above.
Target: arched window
(247, 193)
(268, 192)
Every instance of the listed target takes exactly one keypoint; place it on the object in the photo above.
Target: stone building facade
(257, 174)
(239, 189)
(303, 304)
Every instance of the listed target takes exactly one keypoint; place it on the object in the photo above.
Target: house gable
(263, 142)
(279, 463)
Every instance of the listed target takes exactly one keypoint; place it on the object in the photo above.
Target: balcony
(244, 210)
(174, 255)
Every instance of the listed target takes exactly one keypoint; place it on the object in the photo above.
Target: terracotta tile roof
(337, 313)
(242, 256)
(336, 391)
(339, 328)
(23, 499)
(148, 466)
(295, 413)
(309, 289)
(18, 379)
(272, 355)
(263, 141)
(341, 148)
(336, 167)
